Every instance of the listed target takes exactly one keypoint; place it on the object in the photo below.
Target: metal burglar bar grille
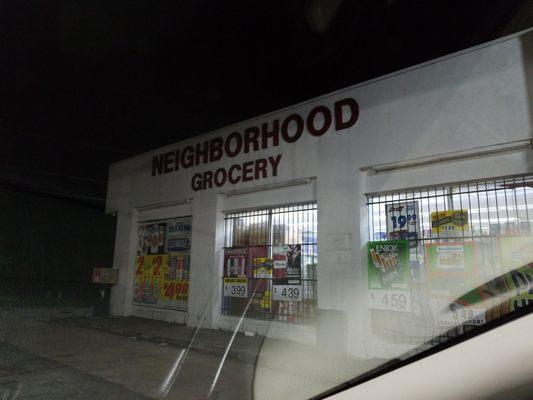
(261, 232)
(495, 208)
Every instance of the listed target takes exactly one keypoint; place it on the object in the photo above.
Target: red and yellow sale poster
(162, 280)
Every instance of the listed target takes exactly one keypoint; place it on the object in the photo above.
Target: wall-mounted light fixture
(452, 156)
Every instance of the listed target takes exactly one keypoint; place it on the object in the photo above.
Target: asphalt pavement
(46, 355)
(66, 353)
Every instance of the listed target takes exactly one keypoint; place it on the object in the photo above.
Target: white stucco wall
(463, 102)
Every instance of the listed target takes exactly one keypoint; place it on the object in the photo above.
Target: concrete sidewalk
(138, 354)
(24, 375)
(59, 354)
(211, 341)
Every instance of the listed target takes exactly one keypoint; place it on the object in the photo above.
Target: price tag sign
(451, 221)
(403, 222)
(287, 292)
(454, 314)
(236, 287)
(391, 300)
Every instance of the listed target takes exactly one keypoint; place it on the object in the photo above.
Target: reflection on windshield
(500, 296)
(441, 261)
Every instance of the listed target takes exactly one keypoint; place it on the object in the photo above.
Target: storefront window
(162, 263)
(270, 261)
(453, 256)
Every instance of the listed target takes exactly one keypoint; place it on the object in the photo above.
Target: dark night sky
(88, 82)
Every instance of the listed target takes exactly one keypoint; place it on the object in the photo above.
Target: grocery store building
(272, 215)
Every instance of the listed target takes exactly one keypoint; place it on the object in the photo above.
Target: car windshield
(219, 200)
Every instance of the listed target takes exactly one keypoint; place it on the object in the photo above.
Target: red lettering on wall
(248, 171)
(343, 115)
(196, 182)
(237, 138)
(215, 149)
(208, 180)
(274, 161)
(251, 137)
(311, 118)
(353, 110)
(233, 180)
(177, 160)
(220, 177)
(169, 160)
(201, 153)
(157, 165)
(187, 157)
(296, 120)
(272, 133)
(261, 168)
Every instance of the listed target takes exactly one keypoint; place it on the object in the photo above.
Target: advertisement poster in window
(162, 272)
(262, 276)
(148, 279)
(151, 239)
(287, 282)
(176, 278)
(389, 276)
(449, 223)
(287, 263)
(162, 280)
(262, 267)
(451, 270)
(403, 222)
(235, 259)
(178, 235)
(235, 278)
